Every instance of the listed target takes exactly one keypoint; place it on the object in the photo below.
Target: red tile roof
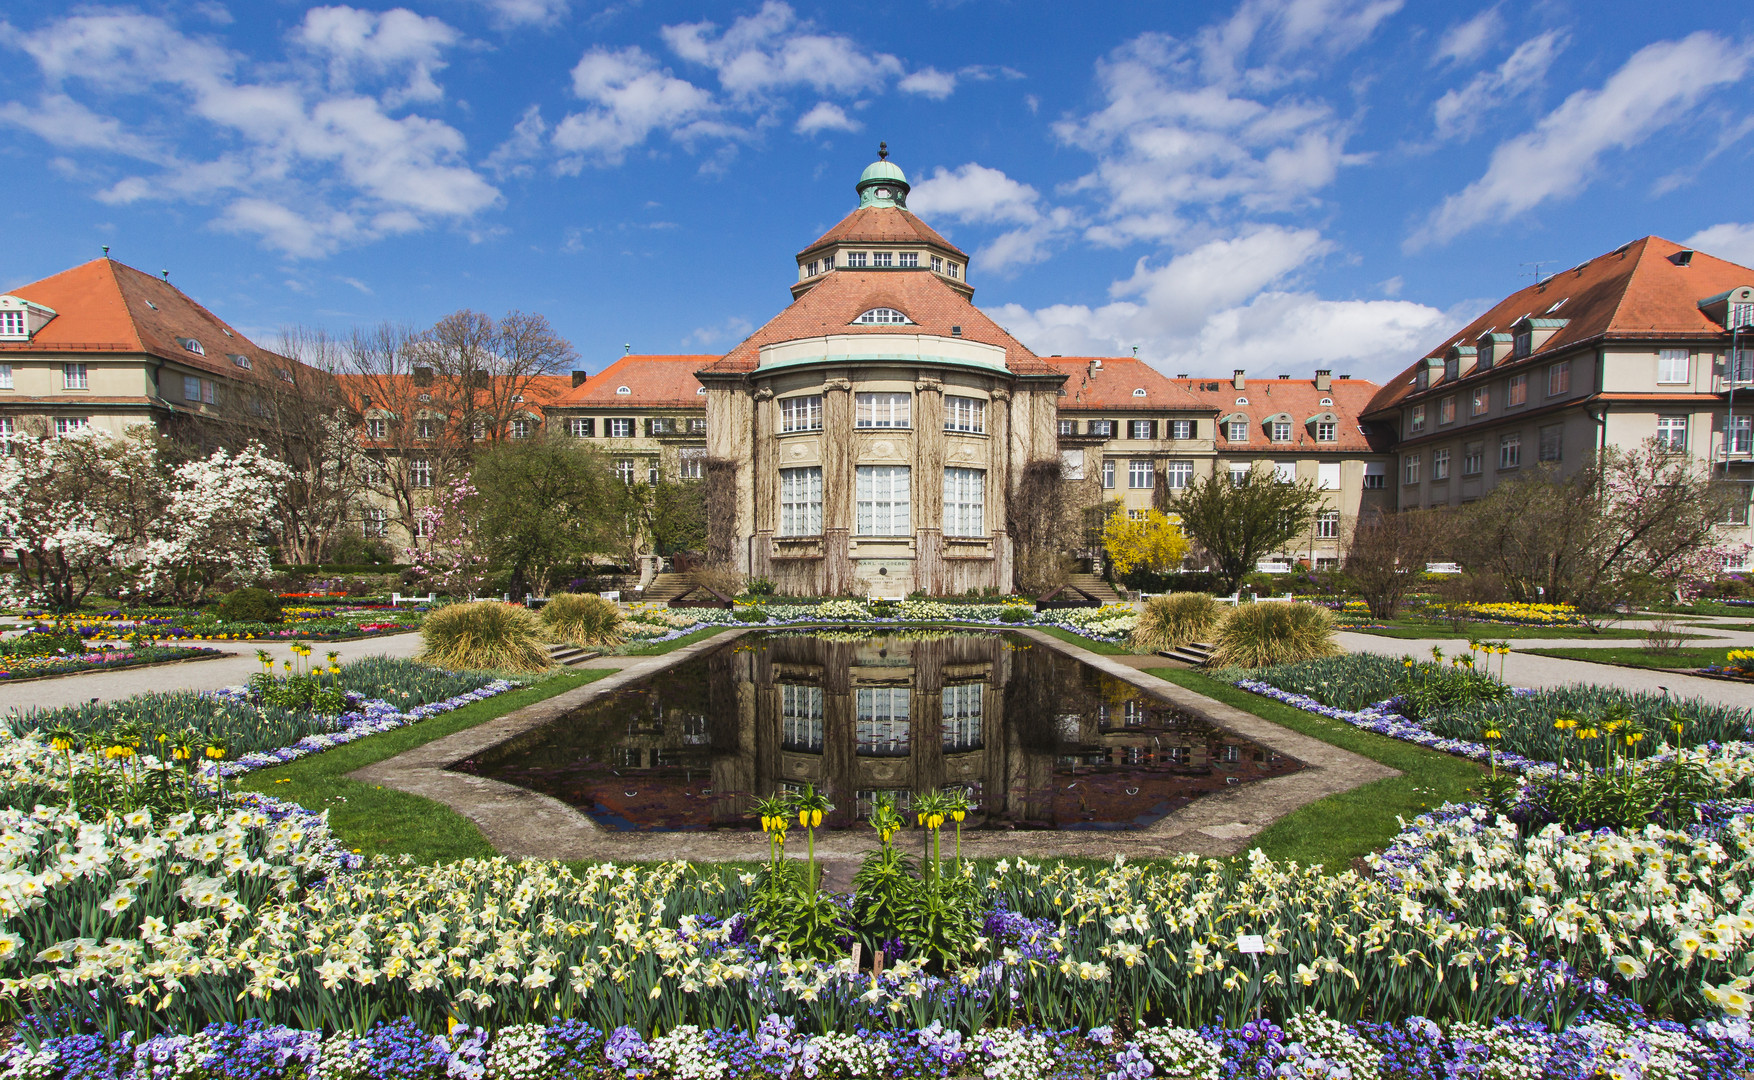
(106, 306)
(882, 225)
(538, 390)
(844, 295)
(1635, 292)
(1299, 399)
(1112, 385)
(652, 381)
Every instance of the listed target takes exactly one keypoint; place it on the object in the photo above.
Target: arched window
(882, 316)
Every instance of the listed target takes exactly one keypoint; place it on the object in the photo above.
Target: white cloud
(1230, 300)
(305, 167)
(732, 330)
(526, 144)
(1459, 112)
(975, 194)
(1657, 87)
(1729, 240)
(772, 51)
(511, 13)
(929, 82)
(364, 44)
(825, 116)
(63, 122)
(1467, 40)
(630, 97)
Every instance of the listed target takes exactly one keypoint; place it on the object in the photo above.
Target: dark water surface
(1038, 739)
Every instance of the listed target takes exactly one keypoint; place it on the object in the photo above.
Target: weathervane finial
(882, 151)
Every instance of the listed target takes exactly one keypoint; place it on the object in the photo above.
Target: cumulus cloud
(1233, 299)
(1730, 240)
(309, 165)
(772, 51)
(825, 116)
(929, 82)
(514, 13)
(629, 97)
(64, 122)
(527, 144)
(1458, 112)
(1656, 88)
(1466, 41)
(978, 195)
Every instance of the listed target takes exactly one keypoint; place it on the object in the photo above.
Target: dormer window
(1139, 391)
(1281, 431)
(1242, 401)
(883, 316)
(908, 259)
(856, 259)
(1327, 402)
(239, 359)
(1524, 343)
(954, 270)
(12, 324)
(882, 258)
(700, 389)
(937, 264)
(623, 390)
(191, 345)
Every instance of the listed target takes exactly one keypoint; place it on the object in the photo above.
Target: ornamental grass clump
(484, 634)
(584, 619)
(1261, 635)
(1169, 622)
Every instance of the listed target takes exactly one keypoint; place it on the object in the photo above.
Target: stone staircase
(1193, 654)
(663, 589)
(1096, 587)
(570, 655)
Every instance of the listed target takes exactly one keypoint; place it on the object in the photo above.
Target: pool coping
(525, 824)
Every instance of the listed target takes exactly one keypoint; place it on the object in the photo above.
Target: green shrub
(583, 619)
(250, 605)
(485, 634)
(1427, 689)
(750, 615)
(1013, 614)
(760, 587)
(1169, 622)
(1261, 635)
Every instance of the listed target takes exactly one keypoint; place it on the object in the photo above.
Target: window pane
(882, 500)
(801, 502)
(801, 413)
(883, 410)
(1179, 474)
(961, 716)
(964, 502)
(882, 726)
(965, 414)
(1673, 365)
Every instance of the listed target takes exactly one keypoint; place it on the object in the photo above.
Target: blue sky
(1276, 185)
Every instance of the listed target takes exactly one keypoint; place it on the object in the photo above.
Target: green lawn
(1106, 648)
(1414, 629)
(381, 821)
(1335, 830)
(1684, 659)
(662, 647)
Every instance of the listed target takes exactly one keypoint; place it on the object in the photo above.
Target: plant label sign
(1251, 943)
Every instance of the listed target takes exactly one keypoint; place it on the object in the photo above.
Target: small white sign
(1251, 943)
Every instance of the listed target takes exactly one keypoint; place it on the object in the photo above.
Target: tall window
(420, 473)
(1440, 464)
(581, 427)
(1108, 473)
(1510, 450)
(1674, 366)
(426, 429)
(881, 723)
(7, 431)
(965, 502)
(965, 414)
(1281, 431)
(801, 502)
(1237, 431)
(375, 521)
(1139, 429)
(67, 425)
(1140, 473)
(625, 469)
(1178, 474)
(801, 717)
(1552, 442)
(620, 427)
(1181, 429)
(1672, 433)
(1327, 431)
(691, 463)
(1482, 401)
(1516, 391)
(1473, 458)
(1327, 525)
(1741, 432)
(1739, 368)
(1559, 378)
(73, 377)
(938, 264)
(801, 413)
(1416, 420)
(883, 500)
(191, 388)
(1446, 410)
(883, 410)
(5, 376)
(962, 705)
(1411, 466)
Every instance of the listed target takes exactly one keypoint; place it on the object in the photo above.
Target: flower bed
(648, 623)
(1519, 614)
(304, 623)
(18, 668)
(1739, 664)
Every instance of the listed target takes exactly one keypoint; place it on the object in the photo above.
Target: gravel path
(231, 670)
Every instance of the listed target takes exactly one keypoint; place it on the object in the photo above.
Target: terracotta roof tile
(1634, 292)
(652, 381)
(882, 225)
(844, 295)
(1299, 399)
(106, 306)
(1113, 385)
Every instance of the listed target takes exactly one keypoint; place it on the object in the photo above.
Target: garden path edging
(524, 824)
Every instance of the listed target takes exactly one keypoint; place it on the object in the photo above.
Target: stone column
(837, 484)
(928, 484)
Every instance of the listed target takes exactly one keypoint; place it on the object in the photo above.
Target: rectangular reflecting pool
(1037, 739)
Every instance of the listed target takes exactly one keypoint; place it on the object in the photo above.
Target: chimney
(1324, 378)
(422, 376)
(1095, 366)
(578, 378)
(1238, 379)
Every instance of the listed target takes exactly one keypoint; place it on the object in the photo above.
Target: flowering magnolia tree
(445, 553)
(92, 510)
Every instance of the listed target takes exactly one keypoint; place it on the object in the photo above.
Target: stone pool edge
(520, 823)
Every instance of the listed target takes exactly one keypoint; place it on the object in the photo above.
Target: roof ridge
(1643, 244)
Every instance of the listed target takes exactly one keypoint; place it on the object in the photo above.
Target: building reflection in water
(1037, 739)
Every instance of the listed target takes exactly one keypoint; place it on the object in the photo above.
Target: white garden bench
(397, 598)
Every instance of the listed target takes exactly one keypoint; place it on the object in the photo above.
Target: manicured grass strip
(1335, 830)
(1106, 648)
(662, 647)
(381, 821)
(1680, 659)
(1411, 629)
